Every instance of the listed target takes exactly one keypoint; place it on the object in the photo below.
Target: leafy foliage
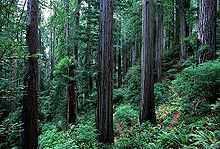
(130, 91)
(161, 93)
(199, 84)
(126, 116)
(196, 132)
(10, 130)
(81, 136)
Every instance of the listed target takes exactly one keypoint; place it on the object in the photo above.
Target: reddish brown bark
(71, 86)
(72, 98)
(76, 41)
(183, 5)
(159, 40)
(119, 68)
(207, 29)
(29, 112)
(105, 108)
(147, 83)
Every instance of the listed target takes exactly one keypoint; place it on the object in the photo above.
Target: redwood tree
(104, 109)
(159, 39)
(182, 6)
(29, 112)
(147, 83)
(207, 29)
(77, 21)
(71, 85)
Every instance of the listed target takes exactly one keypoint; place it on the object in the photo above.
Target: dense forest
(120, 74)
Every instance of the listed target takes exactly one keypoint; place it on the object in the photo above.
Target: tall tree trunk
(71, 91)
(183, 28)
(125, 57)
(119, 45)
(98, 68)
(14, 78)
(66, 28)
(133, 54)
(147, 94)
(119, 67)
(159, 40)
(177, 24)
(52, 47)
(104, 109)
(39, 63)
(72, 97)
(207, 29)
(29, 112)
(88, 53)
(173, 31)
(114, 59)
(77, 19)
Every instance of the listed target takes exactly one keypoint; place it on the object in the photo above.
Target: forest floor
(182, 121)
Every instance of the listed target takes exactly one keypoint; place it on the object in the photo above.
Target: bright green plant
(85, 135)
(54, 139)
(130, 91)
(82, 136)
(161, 93)
(10, 130)
(199, 84)
(126, 115)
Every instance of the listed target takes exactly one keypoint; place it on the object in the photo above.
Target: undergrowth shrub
(203, 134)
(126, 115)
(199, 85)
(85, 135)
(161, 93)
(10, 130)
(120, 95)
(82, 136)
(151, 137)
(51, 138)
(130, 90)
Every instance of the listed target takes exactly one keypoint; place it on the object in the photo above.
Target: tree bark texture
(71, 85)
(72, 97)
(182, 6)
(207, 29)
(133, 55)
(159, 40)
(176, 11)
(119, 68)
(52, 47)
(147, 63)
(104, 109)
(29, 112)
(125, 57)
(76, 41)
